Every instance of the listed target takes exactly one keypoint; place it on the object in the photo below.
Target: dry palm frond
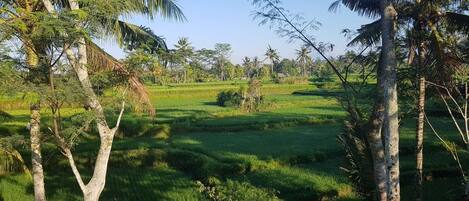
(100, 61)
(12, 162)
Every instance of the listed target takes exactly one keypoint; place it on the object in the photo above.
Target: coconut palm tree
(273, 56)
(384, 116)
(183, 52)
(304, 58)
(426, 20)
(256, 65)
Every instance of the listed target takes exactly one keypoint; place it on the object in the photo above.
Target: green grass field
(288, 150)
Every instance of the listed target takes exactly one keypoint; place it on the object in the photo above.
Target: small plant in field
(234, 190)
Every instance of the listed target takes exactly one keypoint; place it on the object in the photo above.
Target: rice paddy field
(287, 151)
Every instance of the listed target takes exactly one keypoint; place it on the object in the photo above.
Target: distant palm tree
(256, 65)
(304, 58)
(272, 55)
(183, 52)
(247, 66)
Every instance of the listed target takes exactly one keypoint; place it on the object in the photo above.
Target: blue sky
(230, 21)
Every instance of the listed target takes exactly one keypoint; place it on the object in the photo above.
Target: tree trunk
(95, 186)
(272, 68)
(375, 138)
(36, 158)
(419, 139)
(391, 119)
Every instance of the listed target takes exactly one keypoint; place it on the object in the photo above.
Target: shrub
(235, 190)
(229, 98)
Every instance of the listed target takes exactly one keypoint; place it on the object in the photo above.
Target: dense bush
(249, 100)
(230, 98)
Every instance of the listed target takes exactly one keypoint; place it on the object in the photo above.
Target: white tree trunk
(93, 189)
(391, 120)
(36, 158)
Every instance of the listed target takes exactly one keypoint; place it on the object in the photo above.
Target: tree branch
(75, 170)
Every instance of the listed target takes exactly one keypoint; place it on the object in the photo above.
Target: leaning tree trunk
(36, 157)
(391, 121)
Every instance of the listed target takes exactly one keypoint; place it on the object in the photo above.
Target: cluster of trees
(425, 40)
(185, 64)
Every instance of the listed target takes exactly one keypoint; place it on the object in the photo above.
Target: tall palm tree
(247, 64)
(304, 58)
(256, 65)
(184, 51)
(273, 56)
(427, 21)
(385, 106)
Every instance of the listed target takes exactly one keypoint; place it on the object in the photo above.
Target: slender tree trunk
(419, 134)
(36, 157)
(272, 68)
(391, 120)
(32, 60)
(375, 138)
(420, 121)
(419, 138)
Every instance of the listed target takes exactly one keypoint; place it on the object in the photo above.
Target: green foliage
(4, 116)
(235, 190)
(359, 163)
(291, 80)
(11, 160)
(253, 98)
(103, 81)
(230, 98)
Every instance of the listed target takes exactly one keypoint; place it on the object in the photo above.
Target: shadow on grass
(143, 184)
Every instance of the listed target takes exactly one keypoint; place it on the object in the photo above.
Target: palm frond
(100, 61)
(368, 34)
(368, 8)
(133, 36)
(459, 22)
(166, 8)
